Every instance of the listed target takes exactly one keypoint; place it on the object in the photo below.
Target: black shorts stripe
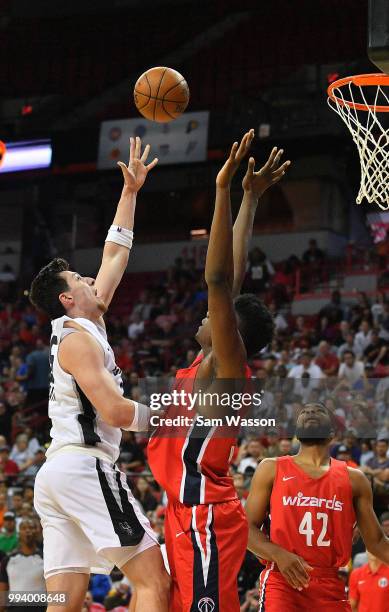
(205, 597)
(124, 520)
(192, 487)
(87, 420)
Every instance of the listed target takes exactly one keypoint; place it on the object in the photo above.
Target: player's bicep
(80, 355)
(258, 501)
(227, 345)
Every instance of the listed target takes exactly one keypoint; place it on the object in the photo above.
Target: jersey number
(305, 528)
(54, 342)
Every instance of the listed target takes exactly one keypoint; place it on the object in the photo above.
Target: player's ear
(66, 300)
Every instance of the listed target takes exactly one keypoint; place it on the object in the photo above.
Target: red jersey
(370, 589)
(192, 464)
(313, 517)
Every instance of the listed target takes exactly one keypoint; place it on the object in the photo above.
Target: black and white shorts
(90, 519)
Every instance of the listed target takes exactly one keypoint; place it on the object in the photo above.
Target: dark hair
(347, 352)
(46, 287)
(256, 324)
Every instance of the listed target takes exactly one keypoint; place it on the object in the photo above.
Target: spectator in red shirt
(369, 587)
(7, 466)
(327, 360)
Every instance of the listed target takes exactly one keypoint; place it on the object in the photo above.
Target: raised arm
(119, 240)
(95, 382)
(374, 538)
(292, 567)
(254, 186)
(228, 352)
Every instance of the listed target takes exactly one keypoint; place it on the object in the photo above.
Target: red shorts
(206, 545)
(325, 593)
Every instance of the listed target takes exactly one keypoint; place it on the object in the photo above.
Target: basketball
(161, 94)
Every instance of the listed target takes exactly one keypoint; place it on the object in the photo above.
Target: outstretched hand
(268, 175)
(135, 173)
(238, 151)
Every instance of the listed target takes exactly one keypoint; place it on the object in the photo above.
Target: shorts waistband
(177, 503)
(316, 571)
(83, 450)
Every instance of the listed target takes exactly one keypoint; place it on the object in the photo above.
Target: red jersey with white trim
(313, 517)
(370, 589)
(191, 462)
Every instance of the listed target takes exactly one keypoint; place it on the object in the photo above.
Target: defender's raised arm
(254, 186)
(227, 345)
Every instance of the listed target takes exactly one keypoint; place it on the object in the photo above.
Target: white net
(370, 131)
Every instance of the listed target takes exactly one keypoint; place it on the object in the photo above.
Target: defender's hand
(135, 173)
(294, 569)
(238, 151)
(268, 175)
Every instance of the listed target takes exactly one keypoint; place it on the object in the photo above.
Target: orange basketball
(161, 94)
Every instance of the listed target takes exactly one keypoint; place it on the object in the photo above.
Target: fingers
(271, 158)
(234, 149)
(138, 146)
(145, 153)
(278, 174)
(250, 167)
(299, 577)
(277, 159)
(152, 164)
(245, 144)
(297, 574)
(123, 166)
(132, 149)
(274, 159)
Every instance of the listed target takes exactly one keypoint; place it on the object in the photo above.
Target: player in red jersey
(314, 502)
(205, 525)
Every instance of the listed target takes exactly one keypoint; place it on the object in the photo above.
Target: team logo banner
(181, 141)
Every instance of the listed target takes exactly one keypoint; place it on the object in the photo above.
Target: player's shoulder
(358, 479)
(267, 468)
(79, 346)
(355, 473)
(79, 337)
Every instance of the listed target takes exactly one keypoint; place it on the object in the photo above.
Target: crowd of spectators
(339, 356)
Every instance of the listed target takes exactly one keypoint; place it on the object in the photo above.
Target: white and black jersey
(74, 420)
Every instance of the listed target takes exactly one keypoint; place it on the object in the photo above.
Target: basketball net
(364, 119)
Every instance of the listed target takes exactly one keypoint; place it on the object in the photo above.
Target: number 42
(305, 528)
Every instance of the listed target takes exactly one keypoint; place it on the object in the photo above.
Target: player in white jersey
(90, 519)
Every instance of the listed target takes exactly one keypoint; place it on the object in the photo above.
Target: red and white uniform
(370, 589)
(205, 526)
(313, 518)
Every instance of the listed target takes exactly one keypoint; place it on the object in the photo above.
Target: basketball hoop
(359, 101)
